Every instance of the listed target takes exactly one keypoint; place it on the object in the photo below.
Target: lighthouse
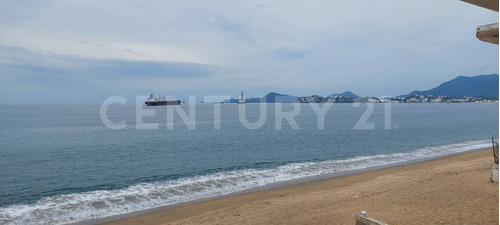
(242, 99)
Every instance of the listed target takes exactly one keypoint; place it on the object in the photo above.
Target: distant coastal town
(351, 98)
(462, 89)
(408, 99)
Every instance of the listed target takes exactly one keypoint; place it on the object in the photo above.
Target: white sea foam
(96, 204)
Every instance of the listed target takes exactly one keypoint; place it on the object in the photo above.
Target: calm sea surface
(61, 164)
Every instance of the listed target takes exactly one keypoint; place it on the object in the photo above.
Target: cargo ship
(161, 100)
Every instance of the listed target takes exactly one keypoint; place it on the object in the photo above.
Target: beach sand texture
(451, 190)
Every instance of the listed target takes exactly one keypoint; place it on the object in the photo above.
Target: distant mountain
(345, 94)
(271, 97)
(253, 100)
(477, 86)
(231, 100)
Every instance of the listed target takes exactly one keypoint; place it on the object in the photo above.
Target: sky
(72, 52)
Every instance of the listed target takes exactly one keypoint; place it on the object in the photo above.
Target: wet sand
(450, 190)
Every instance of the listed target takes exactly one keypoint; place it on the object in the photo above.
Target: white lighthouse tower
(242, 99)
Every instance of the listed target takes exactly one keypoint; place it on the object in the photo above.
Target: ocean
(63, 164)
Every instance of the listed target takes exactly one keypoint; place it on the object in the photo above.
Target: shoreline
(178, 212)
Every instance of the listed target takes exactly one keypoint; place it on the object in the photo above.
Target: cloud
(44, 62)
(261, 5)
(131, 50)
(20, 11)
(219, 21)
(22, 69)
(290, 53)
(122, 68)
(223, 47)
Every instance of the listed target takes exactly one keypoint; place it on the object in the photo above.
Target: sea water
(62, 164)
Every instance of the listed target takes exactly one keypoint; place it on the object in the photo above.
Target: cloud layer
(224, 47)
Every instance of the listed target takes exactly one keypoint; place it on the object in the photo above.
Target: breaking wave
(76, 207)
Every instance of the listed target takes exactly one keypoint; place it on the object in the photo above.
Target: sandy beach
(450, 190)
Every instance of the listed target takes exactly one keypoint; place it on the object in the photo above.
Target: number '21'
(362, 123)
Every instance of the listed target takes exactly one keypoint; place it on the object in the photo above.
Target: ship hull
(160, 103)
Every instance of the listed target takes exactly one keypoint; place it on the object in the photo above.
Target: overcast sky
(85, 51)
